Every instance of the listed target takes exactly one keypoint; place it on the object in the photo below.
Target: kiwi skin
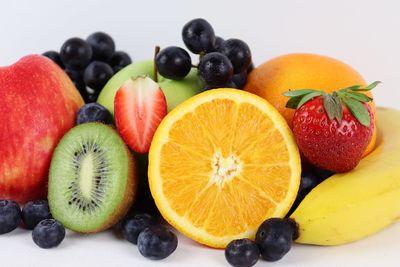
(129, 195)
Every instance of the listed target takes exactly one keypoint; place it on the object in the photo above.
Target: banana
(350, 206)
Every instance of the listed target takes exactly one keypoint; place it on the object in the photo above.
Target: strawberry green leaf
(372, 85)
(358, 96)
(338, 107)
(308, 97)
(354, 87)
(293, 102)
(368, 88)
(358, 110)
(333, 106)
(329, 106)
(292, 93)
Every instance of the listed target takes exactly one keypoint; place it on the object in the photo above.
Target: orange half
(221, 163)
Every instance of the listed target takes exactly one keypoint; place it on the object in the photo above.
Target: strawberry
(139, 107)
(332, 130)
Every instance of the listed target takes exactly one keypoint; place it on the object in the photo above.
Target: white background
(365, 34)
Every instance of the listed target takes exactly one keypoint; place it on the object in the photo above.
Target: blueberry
(238, 53)
(10, 216)
(173, 63)
(119, 60)
(198, 36)
(35, 212)
(308, 181)
(240, 79)
(55, 57)
(132, 226)
(102, 44)
(322, 174)
(97, 74)
(76, 53)
(274, 238)
(48, 233)
(157, 242)
(242, 253)
(93, 112)
(295, 228)
(215, 69)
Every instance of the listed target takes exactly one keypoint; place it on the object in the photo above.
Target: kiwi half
(92, 179)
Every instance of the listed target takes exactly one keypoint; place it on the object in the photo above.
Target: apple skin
(38, 104)
(175, 91)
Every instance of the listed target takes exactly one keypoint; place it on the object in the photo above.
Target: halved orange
(221, 163)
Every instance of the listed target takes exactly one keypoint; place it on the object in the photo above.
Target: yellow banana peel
(350, 206)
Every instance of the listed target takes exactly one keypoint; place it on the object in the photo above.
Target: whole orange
(299, 71)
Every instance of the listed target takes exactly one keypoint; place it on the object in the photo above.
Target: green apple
(175, 91)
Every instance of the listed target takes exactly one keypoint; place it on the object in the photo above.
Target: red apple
(38, 104)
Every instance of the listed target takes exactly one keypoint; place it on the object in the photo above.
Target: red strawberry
(332, 130)
(139, 107)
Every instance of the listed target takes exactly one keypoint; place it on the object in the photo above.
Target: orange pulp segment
(221, 163)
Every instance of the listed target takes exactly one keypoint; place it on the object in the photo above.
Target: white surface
(105, 249)
(364, 34)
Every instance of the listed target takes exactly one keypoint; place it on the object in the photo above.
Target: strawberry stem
(155, 71)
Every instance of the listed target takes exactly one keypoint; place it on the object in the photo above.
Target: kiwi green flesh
(89, 176)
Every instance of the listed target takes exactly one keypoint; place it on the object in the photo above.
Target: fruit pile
(90, 63)
(291, 158)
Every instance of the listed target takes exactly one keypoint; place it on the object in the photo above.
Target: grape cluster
(222, 63)
(90, 63)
